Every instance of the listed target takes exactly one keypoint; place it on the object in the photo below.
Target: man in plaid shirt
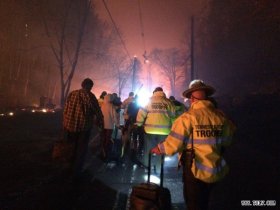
(81, 112)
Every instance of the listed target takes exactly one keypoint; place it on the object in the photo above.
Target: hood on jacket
(159, 94)
(108, 98)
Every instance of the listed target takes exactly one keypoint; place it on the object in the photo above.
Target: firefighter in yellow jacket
(199, 136)
(157, 118)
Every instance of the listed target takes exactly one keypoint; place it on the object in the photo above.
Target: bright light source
(134, 167)
(167, 158)
(143, 97)
(11, 114)
(33, 110)
(153, 179)
(44, 110)
(2, 114)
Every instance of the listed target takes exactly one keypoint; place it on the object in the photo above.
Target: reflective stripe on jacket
(211, 131)
(158, 115)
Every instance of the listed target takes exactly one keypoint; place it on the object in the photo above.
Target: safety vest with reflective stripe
(158, 115)
(211, 130)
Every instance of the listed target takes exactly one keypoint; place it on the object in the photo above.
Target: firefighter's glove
(155, 150)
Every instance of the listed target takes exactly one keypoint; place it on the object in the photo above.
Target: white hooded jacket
(109, 113)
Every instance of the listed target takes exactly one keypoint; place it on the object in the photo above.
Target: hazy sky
(164, 22)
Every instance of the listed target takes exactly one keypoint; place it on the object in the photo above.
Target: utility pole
(133, 73)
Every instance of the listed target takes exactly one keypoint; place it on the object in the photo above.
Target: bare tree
(170, 62)
(11, 60)
(65, 26)
(52, 39)
(119, 69)
(123, 70)
(119, 66)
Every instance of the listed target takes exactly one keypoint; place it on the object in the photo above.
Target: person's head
(104, 93)
(87, 84)
(157, 89)
(172, 98)
(198, 90)
(114, 95)
(131, 94)
(135, 99)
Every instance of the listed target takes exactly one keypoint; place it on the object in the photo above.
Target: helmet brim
(208, 90)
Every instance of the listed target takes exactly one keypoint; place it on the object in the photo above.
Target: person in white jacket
(110, 121)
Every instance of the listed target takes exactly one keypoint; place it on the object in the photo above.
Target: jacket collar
(159, 94)
(202, 104)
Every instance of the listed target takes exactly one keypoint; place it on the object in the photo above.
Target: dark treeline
(239, 46)
(239, 54)
(48, 46)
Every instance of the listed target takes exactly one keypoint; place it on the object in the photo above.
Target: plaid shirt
(80, 111)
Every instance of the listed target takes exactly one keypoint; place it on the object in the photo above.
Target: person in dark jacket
(180, 107)
(137, 133)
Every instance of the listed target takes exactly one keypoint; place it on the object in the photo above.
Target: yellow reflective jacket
(158, 115)
(211, 131)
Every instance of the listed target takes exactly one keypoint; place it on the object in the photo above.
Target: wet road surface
(122, 176)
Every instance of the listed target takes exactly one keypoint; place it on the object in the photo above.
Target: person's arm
(177, 138)
(156, 151)
(172, 112)
(115, 116)
(228, 133)
(141, 116)
(97, 112)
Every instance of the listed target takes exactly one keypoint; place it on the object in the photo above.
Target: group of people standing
(110, 106)
(118, 117)
(198, 134)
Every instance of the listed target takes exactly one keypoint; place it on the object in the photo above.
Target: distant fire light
(143, 97)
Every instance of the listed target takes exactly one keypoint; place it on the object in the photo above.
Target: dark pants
(137, 135)
(80, 141)
(196, 192)
(107, 142)
(150, 141)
